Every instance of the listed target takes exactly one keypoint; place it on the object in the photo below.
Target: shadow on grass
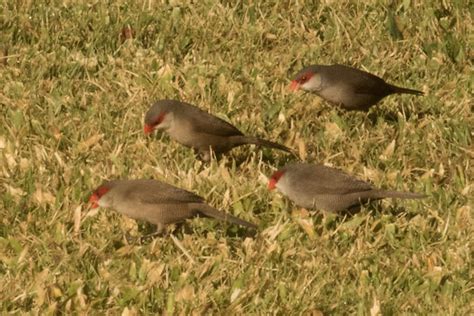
(148, 232)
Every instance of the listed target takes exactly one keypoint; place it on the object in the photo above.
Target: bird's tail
(381, 194)
(241, 140)
(396, 89)
(209, 211)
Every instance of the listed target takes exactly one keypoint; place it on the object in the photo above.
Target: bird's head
(308, 79)
(99, 196)
(157, 117)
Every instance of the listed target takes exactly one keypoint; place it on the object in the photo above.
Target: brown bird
(351, 88)
(198, 129)
(329, 189)
(156, 202)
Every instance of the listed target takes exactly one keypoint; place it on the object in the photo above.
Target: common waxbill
(329, 189)
(351, 88)
(156, 202)
(198, 129)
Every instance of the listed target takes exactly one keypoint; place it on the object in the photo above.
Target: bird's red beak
(94, 201)
(294, 85)
(148, 129)
(272, 184)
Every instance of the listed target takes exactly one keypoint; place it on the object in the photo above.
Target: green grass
(73, 95)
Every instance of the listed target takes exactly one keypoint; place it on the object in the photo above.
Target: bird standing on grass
(350, 88)
(156, 202)
(329, 189)
(198, 129)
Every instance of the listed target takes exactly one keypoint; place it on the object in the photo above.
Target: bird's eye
(159, 119)
(304, 78)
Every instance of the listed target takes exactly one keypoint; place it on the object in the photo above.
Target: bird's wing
(361, 81)
(327, 180)
(156, 192)
(203, 122)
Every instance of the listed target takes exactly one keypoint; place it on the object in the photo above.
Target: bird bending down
(198, 129)
(156, 202)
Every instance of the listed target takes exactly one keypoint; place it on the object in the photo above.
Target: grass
(77, 79)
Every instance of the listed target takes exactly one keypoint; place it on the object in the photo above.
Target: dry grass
(74, 91)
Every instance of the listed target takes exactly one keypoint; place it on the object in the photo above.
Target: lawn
(76, 79)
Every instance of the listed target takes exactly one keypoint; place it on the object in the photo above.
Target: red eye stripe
(274, 179)
(159, 119)
(277, 175)
(96, 195)
(101, 191)
(148, 128)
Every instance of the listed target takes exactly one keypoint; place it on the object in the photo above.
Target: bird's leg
(207, 154)
(202, 155)
(129, 238)
(352, 210)
(160, 231)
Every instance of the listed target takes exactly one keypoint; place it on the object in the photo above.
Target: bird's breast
(337, 93)
(182, 132)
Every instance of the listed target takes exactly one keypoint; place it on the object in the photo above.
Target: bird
(156, 202)
(198, 129)
(350, 88)
(320, 187)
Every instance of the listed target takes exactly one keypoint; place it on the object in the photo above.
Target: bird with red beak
(350, 88)
(156, 202)
(198, 129)
(320, 187)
